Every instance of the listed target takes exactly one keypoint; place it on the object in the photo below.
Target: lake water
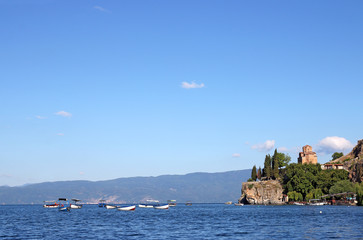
(199, 221)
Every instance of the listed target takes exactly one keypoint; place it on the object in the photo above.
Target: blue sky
(98, 90)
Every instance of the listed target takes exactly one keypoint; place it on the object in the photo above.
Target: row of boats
(63, 204)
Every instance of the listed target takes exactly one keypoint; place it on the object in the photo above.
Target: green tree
(276, 168)
(304, 178)
(282, 159)
(342, 186)
(267, 167)
(336, 155)
(254, 173)
(259, 173)
(360, 198)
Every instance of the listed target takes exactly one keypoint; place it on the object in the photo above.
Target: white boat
(111, 206)
(76, 205)
(317, 204)
(149, 204)
(50, 204)
(238, 204)
(166, 206)
(129, 208)
(299, 204)
(145, 206)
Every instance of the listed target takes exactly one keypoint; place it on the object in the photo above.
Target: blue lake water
(199, 221)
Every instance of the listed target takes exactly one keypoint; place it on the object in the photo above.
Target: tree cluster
(273, 165)
(310, 180)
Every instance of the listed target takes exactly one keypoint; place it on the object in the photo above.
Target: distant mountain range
(195, 187)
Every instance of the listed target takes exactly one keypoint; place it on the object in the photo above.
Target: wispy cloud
(236, 155)
(334, 144)
(40, 117)
(63, 114)
(191, 85)
(264, 147)
(101, 9)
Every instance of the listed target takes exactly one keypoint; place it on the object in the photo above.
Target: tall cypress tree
(259, 173)
(276, 168)
(254, 173)
(267, 167)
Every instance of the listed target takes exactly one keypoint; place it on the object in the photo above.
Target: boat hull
(111, 206)
(50, 206)
(129, 208)
(73, 206)
(165, 207)
(145, 206)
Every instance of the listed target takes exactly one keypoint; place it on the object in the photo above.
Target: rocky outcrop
(356, 153)
(353, 162)
(264, 192)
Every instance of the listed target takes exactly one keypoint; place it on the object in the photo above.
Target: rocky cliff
(264, 192)
(353, 162)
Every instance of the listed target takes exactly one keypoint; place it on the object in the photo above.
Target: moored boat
(128, 208)
(102, 203)
(50, 204)
(75, 204)
(149, 204)
(110, 206)
(166, 206)
(63, 205)
(172, 203)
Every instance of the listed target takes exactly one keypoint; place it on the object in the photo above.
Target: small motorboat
(63, 205)
(50, 204)
(75, 204)
(299, 203)
(149, 204)
(128, 208)
(110, 206)
(239, 204)
(102, 203)
(172, 203)
(189, 203)
(166, 206)
(145, 206)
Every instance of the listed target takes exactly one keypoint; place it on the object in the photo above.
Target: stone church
(307, 156)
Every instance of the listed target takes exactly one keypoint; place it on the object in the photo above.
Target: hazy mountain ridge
(195, 187)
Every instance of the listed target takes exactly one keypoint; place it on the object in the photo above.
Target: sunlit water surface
(199, 221)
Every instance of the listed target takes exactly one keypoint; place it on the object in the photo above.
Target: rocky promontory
(263, 192)
(353, 162)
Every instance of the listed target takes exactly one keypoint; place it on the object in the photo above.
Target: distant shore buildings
(307, 156)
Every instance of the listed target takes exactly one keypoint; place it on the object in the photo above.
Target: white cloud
(264, 147)
(236, 155)
(191, 85)
(60, 134)
(40, 117)
(63, 114)
(101, 9)
(334, 144)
